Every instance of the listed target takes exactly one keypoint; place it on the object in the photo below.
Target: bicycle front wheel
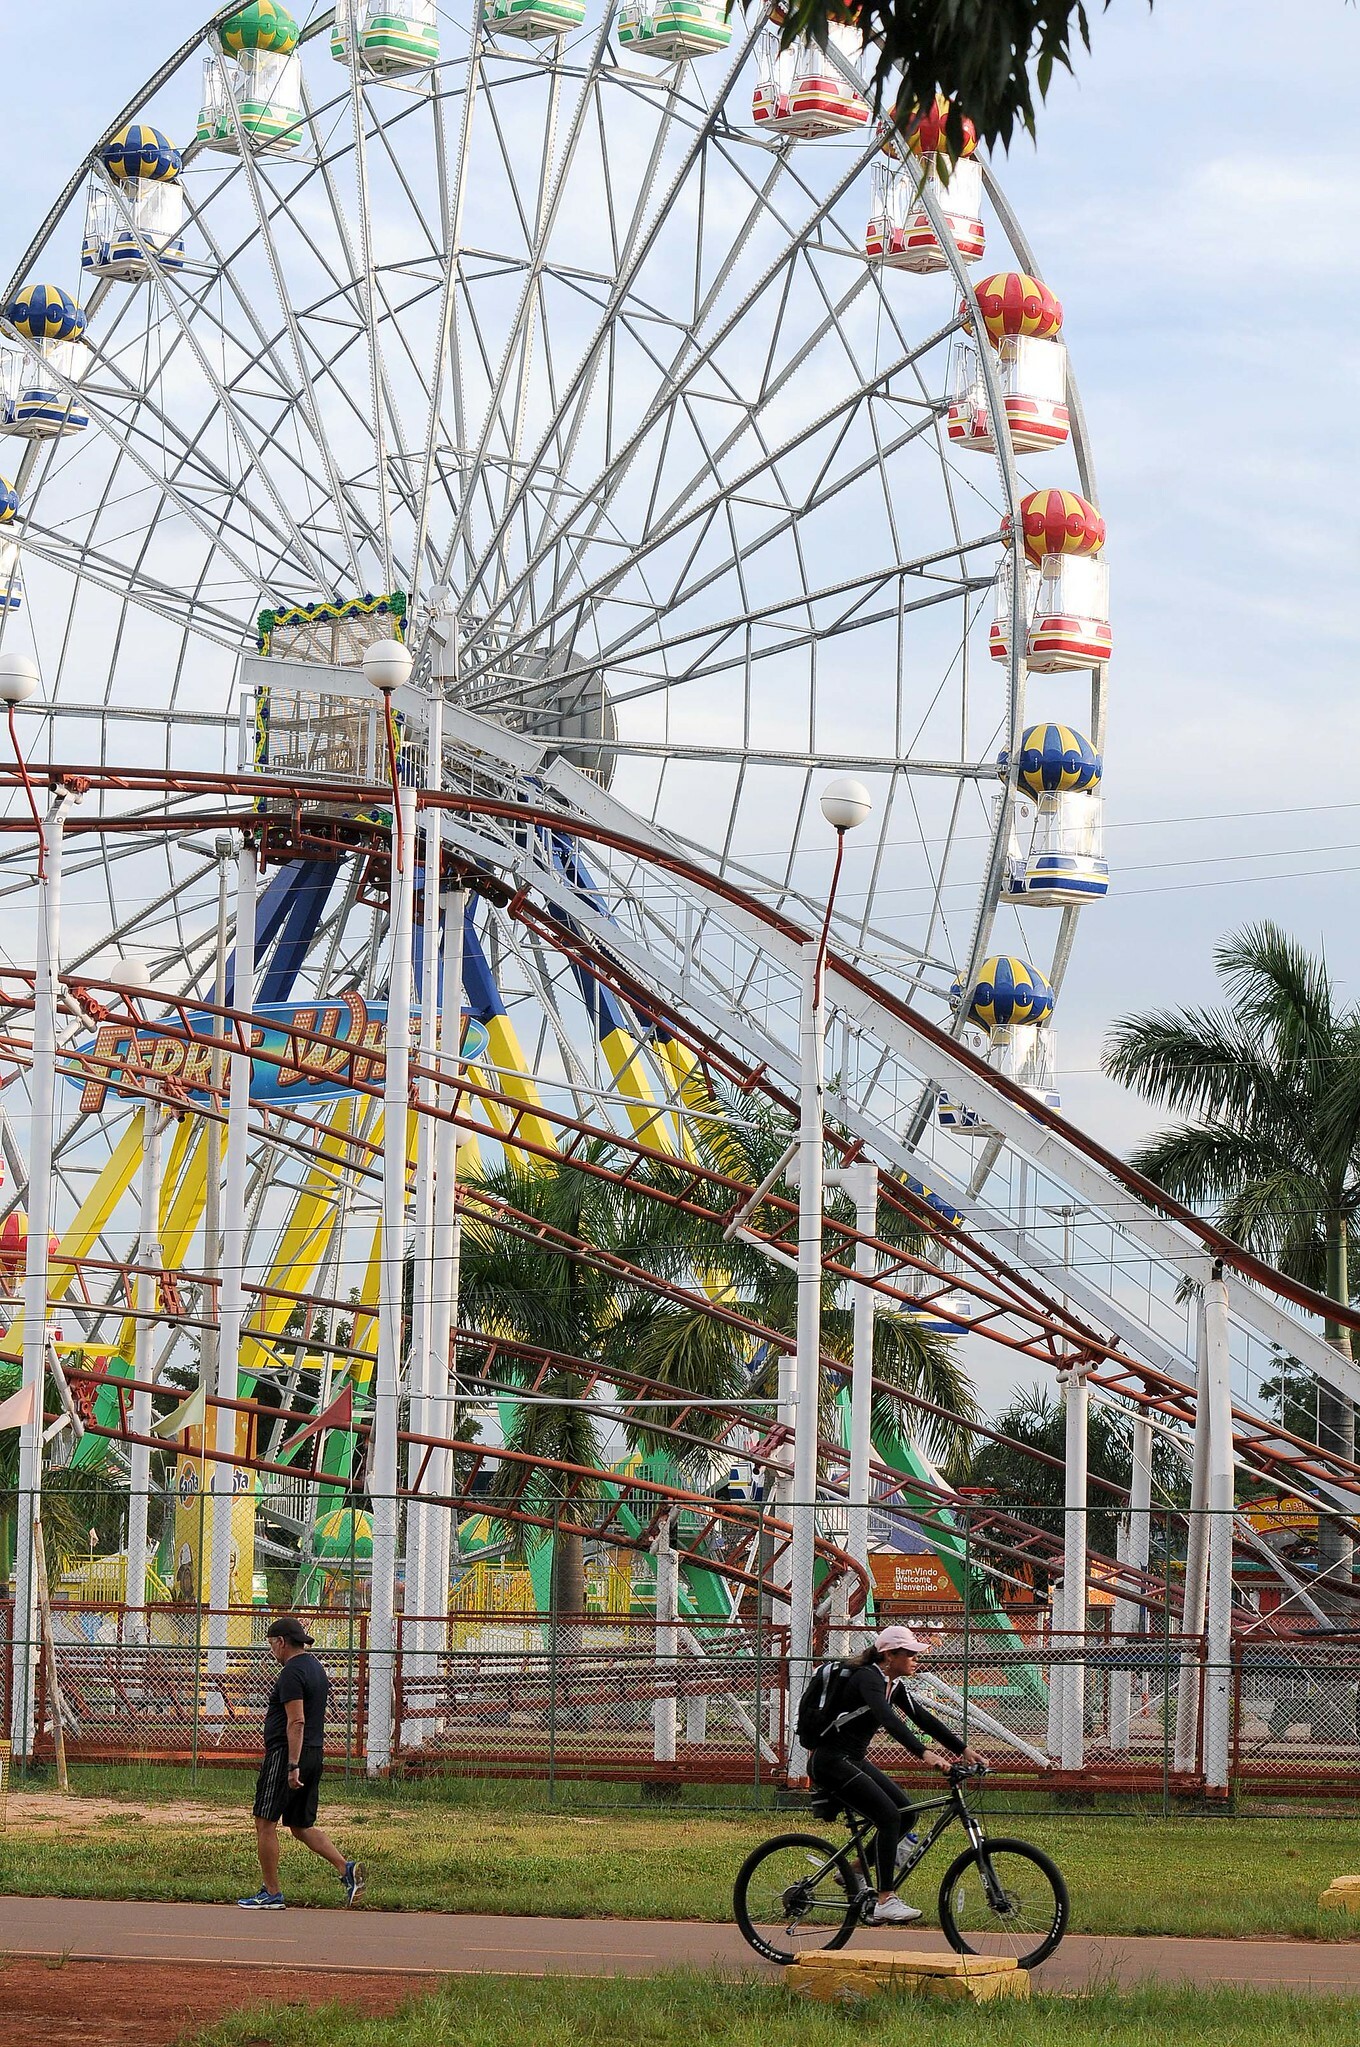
(1004, 1898)
(795, 1894)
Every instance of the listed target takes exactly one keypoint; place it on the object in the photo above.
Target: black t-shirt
(301, 1677)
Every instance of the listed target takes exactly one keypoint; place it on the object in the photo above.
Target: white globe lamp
(18, 676)
(846, 803)
(387, 665)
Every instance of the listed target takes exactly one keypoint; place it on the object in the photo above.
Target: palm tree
(1268, 1085)
(513, 1286)
(1034, 1489)
(910, 1363)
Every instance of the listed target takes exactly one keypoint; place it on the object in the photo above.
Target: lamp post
(387, 665)
(845, 804)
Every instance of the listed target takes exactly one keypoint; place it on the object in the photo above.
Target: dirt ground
(79, 2004)
(47, 1812)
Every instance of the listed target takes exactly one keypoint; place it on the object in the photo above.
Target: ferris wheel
(625, 338)
(625, 366)
(702, 439)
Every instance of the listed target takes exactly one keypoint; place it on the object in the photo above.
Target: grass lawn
(681, 2011)
(455, 1846)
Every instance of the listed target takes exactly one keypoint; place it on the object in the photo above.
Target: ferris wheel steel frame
(636, 244)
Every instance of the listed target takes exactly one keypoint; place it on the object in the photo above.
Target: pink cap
(889, 1639)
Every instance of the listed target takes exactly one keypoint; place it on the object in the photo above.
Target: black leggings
(867, 1791)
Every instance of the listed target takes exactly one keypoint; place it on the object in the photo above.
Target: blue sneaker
(352, 1881)
(263, 1901)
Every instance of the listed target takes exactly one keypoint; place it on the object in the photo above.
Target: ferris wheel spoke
(585, 370)
(555, 185)
(297, 398)
(248, 446)
(447, 367)
(685, 513)
(676, 383)
(283, 299)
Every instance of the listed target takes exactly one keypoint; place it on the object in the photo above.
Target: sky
(1193, 201)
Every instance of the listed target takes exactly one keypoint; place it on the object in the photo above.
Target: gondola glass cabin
(37, 401)
(391, 38)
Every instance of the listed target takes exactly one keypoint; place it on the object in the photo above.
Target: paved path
(442, 1944)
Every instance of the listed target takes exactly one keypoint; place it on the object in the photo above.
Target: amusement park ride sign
(293, 1066)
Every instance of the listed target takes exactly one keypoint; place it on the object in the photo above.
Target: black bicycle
(798, 1892)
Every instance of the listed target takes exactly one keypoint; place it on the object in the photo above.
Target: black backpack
(820, 1708)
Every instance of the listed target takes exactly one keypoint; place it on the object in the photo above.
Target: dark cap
(288, 1628)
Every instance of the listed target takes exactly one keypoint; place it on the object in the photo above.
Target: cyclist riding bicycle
(862, 1694)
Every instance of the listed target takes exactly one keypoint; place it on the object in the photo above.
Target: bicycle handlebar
(959, 1772)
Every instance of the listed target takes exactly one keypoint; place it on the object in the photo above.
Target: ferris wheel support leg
(23, 1700)
(445, 1261)
(1135, 1549)
(667, 1647)
(1077, 1400)
(1196, 1565)
(1218, 1620)
(232, 1292)
(139, 1456)
(387, 1378)
(420, 1513)
(862, 1184)
(803, 1504)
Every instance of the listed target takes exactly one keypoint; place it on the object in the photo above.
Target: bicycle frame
(950, 1807)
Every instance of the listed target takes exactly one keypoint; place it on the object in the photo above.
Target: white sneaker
(892, 1912)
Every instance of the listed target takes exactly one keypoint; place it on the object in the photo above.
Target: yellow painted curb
(849, 1979)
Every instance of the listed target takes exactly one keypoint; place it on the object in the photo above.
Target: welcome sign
(292, 1066)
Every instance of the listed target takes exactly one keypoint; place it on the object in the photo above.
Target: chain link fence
(513, 1681)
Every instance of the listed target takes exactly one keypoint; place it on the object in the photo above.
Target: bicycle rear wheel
(794, 1895)
(1004, 1898)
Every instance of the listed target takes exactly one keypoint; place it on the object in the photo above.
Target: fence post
(554, 1581)
(1218, 1636)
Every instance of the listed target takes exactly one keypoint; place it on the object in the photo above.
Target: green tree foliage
(988, 57)
(1267, 1087)
(1033, 1489)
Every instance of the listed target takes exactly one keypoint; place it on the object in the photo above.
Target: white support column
(1077, 1396)
(1218, 1630)
(667, 1644)
(862, 1185)
(232, 1297)
(139, 1456)
(1135, 1546)
(446, 1248)
(1057, 1672)
(1196, 1565)
(43, 1082)
(803, 1504)
(387, 1378)
(420, 1518)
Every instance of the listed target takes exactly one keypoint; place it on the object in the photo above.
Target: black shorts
(273, 1798)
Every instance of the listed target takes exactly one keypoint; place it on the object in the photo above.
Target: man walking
(290, 1776)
